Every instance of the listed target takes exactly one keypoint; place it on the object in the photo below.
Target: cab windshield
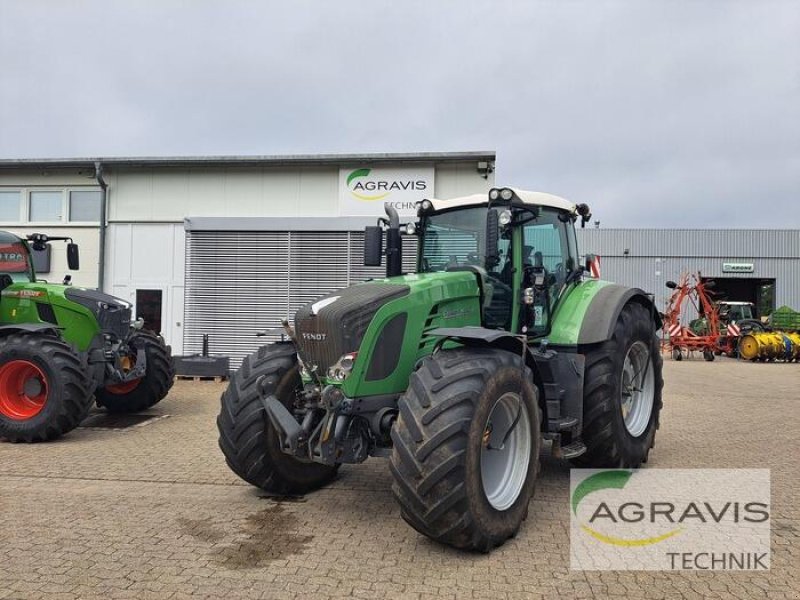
(453, 239)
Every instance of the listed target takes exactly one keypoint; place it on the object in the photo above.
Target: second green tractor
(62, 348)
(456, 372)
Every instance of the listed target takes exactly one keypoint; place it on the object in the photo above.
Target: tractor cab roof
(6, 237)
(528, 198)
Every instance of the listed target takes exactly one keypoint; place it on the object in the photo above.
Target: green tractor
(61, 347)
(456, 372)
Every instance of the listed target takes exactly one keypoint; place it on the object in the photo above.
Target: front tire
(246, 437)
(45, 389)
(454, 478)
(622, 394)
(149, 390)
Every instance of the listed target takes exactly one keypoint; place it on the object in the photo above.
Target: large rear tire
(622, 394)
(141, 394)
(45, 389)
(247, 438)
(454, 478)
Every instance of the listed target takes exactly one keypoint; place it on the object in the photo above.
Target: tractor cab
(519, 245)
(733, 312)
(16, 260)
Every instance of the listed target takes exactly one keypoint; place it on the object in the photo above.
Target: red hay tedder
(691, 290)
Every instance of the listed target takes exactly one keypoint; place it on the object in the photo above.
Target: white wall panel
(460, 179)
(150, 256)
(169, 195)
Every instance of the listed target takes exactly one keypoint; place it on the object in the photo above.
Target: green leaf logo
(599, 481)
(356, 174)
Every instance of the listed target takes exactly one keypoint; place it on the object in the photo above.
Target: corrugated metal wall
(238, 283)
(656, 256)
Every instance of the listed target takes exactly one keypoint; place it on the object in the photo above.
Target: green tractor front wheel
(466, 447)
(45, 390)
(140, 394)
(246, 436)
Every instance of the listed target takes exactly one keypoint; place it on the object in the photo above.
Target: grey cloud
(658, 113)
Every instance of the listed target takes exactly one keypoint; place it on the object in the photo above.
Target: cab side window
(546, 244)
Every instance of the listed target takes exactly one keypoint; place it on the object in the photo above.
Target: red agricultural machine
(683, 339)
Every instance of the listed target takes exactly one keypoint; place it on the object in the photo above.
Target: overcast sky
(656, 113)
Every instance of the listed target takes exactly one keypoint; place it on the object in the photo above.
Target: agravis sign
(363, 191)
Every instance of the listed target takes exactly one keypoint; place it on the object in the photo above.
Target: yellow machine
(774, 345)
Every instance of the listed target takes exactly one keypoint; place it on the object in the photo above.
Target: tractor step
(572, 450)
(563, 423)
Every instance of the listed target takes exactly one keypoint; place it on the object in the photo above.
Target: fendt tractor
(63, 347)
(457, 372)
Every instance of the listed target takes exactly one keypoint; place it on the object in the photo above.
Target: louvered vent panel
(238, 283)
(318, 265)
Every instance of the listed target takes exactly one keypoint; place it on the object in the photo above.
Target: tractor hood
(383, 320)
(335, 324)
(80, 312)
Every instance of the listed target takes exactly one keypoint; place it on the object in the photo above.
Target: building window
(10, 207)
(84, 206)
(46, 207)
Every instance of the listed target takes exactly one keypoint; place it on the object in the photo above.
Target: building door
(149, 306)
(761, 292)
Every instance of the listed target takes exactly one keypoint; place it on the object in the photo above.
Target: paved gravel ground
(153, 512)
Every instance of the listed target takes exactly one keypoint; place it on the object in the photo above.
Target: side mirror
(373, 246)
(672, 285)
(73, 257)
(492, 239)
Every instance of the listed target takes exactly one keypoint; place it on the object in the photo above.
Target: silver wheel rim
(504, 466)
(637, 389)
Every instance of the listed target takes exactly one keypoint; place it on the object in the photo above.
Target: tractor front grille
(335, 324)
(115, 320)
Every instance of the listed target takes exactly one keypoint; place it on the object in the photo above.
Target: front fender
(30, 328)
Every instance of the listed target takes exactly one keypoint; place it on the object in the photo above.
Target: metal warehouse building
(223, 245)
(229, 245)
(753, 265)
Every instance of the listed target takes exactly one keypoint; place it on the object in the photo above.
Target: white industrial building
(227, 246)
(222, 245)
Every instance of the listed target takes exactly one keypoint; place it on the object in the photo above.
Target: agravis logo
(367, 189)
(611, 480)
(668, 519)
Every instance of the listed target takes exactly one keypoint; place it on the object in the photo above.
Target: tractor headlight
(494, 194)
(343, 367)
(506, 194)
(504, 218)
